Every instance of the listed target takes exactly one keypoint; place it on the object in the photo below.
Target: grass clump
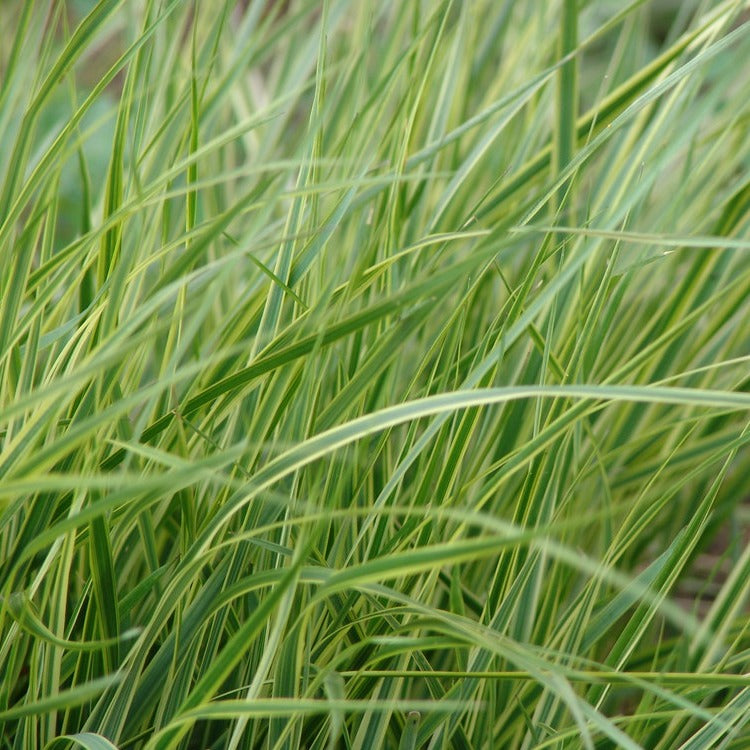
(374, 374)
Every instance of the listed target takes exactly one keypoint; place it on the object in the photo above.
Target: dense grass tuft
(374, 374)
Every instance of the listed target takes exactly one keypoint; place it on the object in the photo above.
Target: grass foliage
(374, 374)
